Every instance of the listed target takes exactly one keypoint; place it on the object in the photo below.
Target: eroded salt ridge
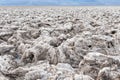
(59, 44)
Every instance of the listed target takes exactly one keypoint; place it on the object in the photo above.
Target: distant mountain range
(58, 2)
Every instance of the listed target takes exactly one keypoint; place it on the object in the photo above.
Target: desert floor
(60, 43)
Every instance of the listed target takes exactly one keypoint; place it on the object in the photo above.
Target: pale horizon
(59, 3)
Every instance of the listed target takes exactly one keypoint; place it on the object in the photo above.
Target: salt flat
(60, 43)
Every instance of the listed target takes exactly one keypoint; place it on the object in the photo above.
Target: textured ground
(59, 43)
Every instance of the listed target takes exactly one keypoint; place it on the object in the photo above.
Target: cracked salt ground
(60, 43)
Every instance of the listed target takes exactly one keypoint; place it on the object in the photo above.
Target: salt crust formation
(62, 43)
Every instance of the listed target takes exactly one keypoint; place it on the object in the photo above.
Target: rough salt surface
(62, 43)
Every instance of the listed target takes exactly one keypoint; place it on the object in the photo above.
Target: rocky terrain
(59, 43)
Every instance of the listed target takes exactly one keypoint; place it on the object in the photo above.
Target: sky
(57, 2)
